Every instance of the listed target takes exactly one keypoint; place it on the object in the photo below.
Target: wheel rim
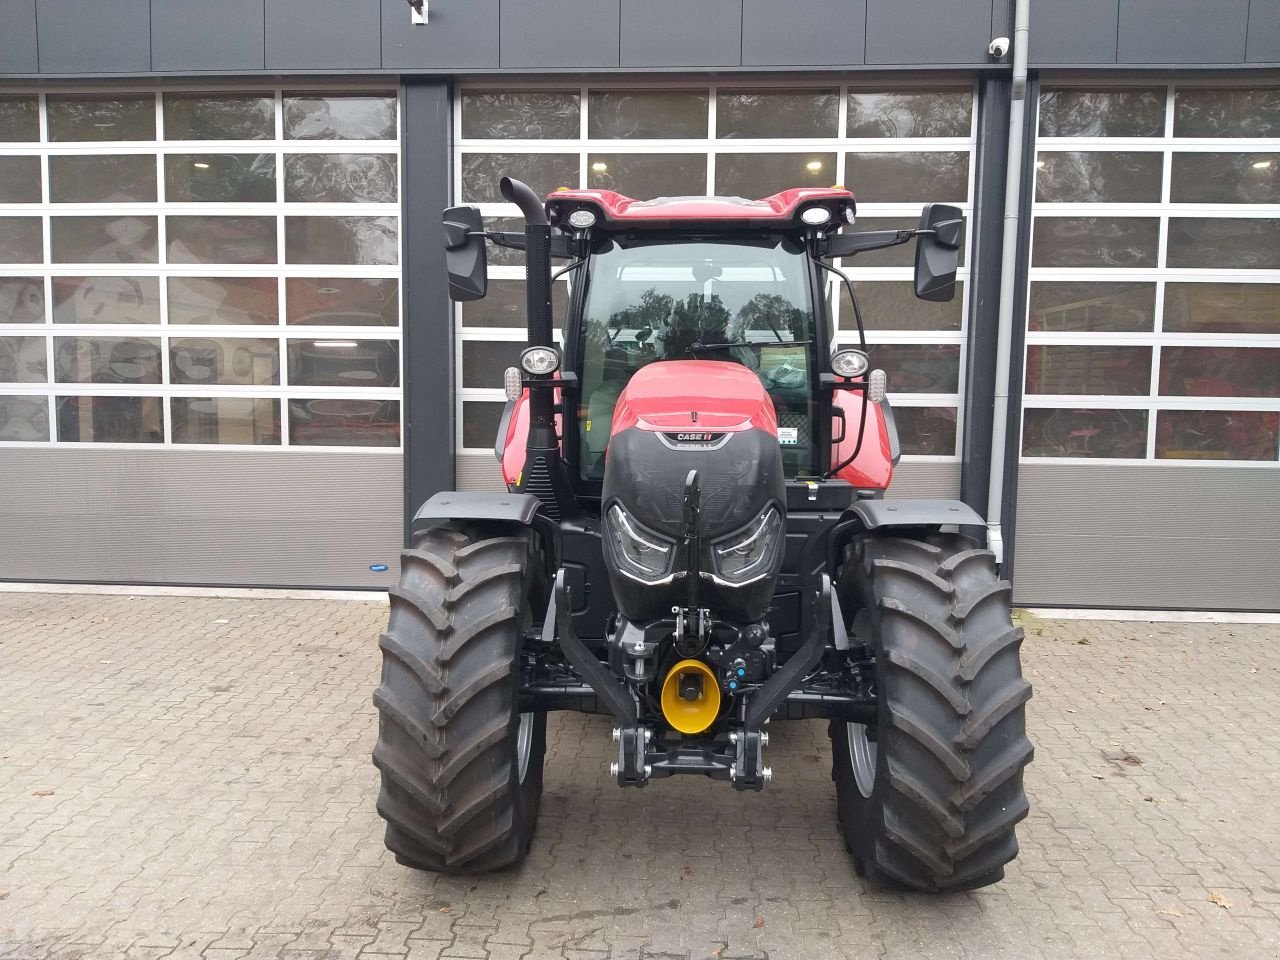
(524, 743)
(862, 757)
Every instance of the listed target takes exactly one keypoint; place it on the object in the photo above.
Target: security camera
(998, 48)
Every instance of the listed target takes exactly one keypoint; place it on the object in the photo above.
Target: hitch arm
(612, 693)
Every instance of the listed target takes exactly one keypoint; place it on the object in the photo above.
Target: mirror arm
(514, 241)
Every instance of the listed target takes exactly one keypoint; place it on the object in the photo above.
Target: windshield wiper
(699, 345)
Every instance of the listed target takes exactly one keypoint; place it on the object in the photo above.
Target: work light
(582, 219)
(849, 363)
(816, 216)
(540, 360)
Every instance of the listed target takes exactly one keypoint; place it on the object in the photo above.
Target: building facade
(227, 355)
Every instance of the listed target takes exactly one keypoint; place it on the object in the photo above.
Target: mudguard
(478, 505)
(913, 513)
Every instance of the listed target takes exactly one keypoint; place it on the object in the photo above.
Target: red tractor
(696, 540)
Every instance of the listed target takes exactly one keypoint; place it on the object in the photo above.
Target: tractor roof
(779, 212)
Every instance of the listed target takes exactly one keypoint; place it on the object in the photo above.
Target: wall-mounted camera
(998, 47)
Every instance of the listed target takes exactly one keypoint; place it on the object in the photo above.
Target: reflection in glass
(22, 360)
(1224, 243)
(24, 418)
(917, 367)
(544, 172)
(1217, 435)
(344, 363)
(1089, 370)
(928, 113)
(77, 116)
(1222, 308)
(110, 419)
(106, 300)
(1225, 178)
(648, 175)
(646, 114)
(1092, 305)
(510, 115)
(21, 300)
(247, 420)
(345, 423)
(483, 361)
(231, 300)
(1078, 176)
(20, 179)
(1095, 241)
(893, 305)
(342, 302)
(106, 359)
(230, 240)
(926, 431)
(1220, 371)
(21, 240)
(480, 421)
(118, 239)
(359, 240)
(505, 305)
(1119, 112)
(224, 361)
(339, 117)
(340, 178)
(220, 178)
(127, 178)
(1119, 434)
(777, 114)
(935, 176)
(19, 119)
(757, 175)
(203, 116)
(1207, 112)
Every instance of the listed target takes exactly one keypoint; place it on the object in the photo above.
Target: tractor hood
(695, 395)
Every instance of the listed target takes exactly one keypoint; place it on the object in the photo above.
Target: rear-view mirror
(938, 251)
(465, 256)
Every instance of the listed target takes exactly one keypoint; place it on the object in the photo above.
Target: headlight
(540, 359)
(749, 554)
(849, 363)
(641, 555)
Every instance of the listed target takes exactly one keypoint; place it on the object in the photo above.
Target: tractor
(696, 540)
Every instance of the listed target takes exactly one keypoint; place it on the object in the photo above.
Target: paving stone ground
(189, 778)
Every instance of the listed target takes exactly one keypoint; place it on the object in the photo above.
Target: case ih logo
(694, 440)
(695, 437)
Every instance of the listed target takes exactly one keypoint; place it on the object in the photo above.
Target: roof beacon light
(816, 216)
(540, 360)
(582, 219)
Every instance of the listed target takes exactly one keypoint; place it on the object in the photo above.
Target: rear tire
(461, 767)
(929, 797)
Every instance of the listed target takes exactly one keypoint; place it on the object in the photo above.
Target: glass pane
(230, 240)
(344, 423)
(97, 117)
(1089, 370)
(918, 367)
(1225, 178)
(505, 305)
(756, 175)
(22, 360)
(1098, 177)
(1217, 434)
(224, 361)
(1125, 112)
(1093, 306)
(19, 119)
(647, 114)
(483, 361)
(777, 114)
(1227, 113)
(123, 239)
(1084, 433)
(506, 115)
(363, 240)
(480, 421)
(199, 116)
(21, 240)
(1095, 241)
(106, 359)
(342, 302)
(932, 113)
(340, 178)
(1222, 308)
(893, 305)
(238, 300)
(110, 420)
(1220, 372)
(128, 178)
(926, 431)
(19, 180)
(339, 117)
(24, 418)
(106, 300)
(544, 172)
(1224, 243)
(934, 177)
(226, 420)
(648, 175)
(21, 300)
(344, 363)
(220, 178)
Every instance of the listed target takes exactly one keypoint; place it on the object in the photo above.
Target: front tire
(928, 797)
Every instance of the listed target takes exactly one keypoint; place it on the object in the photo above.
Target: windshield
(736, 302)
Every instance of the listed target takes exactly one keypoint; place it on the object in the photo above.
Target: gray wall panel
(458, 35)
(198, 35)
(770, 36)
(18, 36)
(1182, 31)
(925, 31)
(560, 33)
(1264, 32)
(1083, 31)
(678, 33)
(1163, 535)
(94, 36)
(324, 34)
(206, 517)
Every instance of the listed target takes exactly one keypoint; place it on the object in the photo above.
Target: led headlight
(815, 216)
(582, 219)
(849, 363)
(540, 359)
(639, 554)
(749, 554)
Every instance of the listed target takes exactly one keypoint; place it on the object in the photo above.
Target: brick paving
(189, 778)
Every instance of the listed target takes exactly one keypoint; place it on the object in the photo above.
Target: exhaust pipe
(522, 195)
(537, 239)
